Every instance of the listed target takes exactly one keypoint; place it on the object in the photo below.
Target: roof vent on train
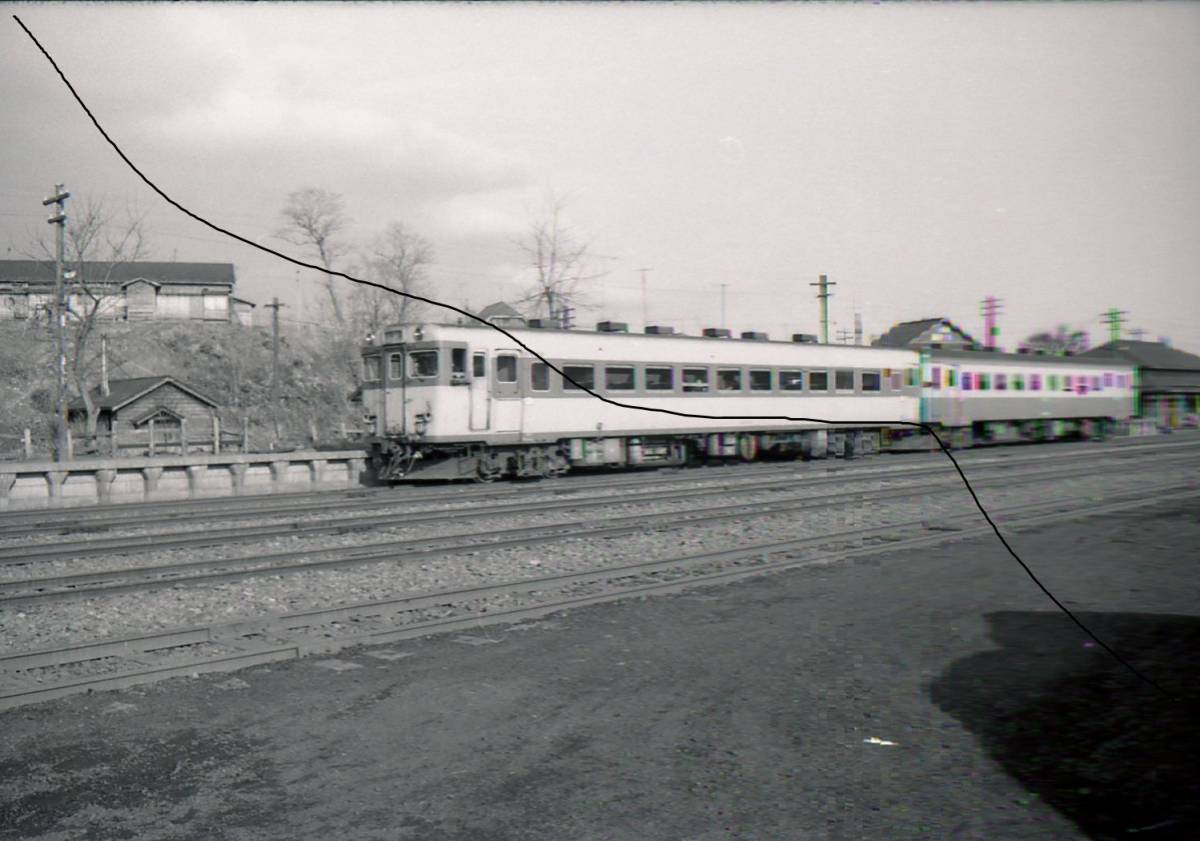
(659, 330)
(804, 338)
(753, 336)
(612, 327)
(716, 333)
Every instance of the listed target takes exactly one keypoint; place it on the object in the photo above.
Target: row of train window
(984, 381)
(693, 380)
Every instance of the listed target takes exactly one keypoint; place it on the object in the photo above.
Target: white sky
(923, 156)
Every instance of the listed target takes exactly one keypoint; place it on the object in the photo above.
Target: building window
(539, 376)
(870, 381)
(695, 379)
(618, 379)
(660, 379)
(424, 363)
(371, 367)
(584, 376)
(506, 368)
(818, 381)
(760, 380)
(791, 380)
(729, 379)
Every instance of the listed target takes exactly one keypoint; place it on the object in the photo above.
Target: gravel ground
(54, 624)
(915, 695)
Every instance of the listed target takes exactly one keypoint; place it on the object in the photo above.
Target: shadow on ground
(1078, 730)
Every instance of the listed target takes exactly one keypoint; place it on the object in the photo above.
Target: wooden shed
(136, 406)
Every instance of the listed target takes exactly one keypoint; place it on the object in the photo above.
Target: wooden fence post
(151, 436)
(183, 436)
(216, 426)
(28, 444)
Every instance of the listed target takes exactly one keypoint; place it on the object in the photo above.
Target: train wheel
(748, 447)
(488, 468)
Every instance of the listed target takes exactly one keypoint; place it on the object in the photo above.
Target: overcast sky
(923, 156)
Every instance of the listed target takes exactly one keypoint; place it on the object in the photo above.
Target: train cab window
(760, 380)
(423, 364)
(729, 379)
(1001, 382)
(818, 381)
(660, 379)
(843, 379)
(984, 381)
(791, 381)
(506, 368)
(479, 365)
(370, 368)
(458, 360)
(584, 376)
(618, 379)
(870, 381)
(395, 366)
(539, 376)
(695, 379)
(966, 381)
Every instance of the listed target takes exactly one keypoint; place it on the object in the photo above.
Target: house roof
(498, 310)
(1146, 355)
(123, 392)
(906, 332)
(41, 272)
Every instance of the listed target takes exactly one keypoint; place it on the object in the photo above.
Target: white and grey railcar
(450, 402)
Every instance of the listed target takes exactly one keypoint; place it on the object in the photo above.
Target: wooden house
(136, 406)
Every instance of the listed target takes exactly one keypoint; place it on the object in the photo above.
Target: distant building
(128, 291)
(927, 333)
(1168, 381)
(502, 315)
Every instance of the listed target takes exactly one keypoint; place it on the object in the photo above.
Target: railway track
(983, 475)
(51, 673)
(96, 519)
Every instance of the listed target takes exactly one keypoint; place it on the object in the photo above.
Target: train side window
(1096, 384)
(1001, 382)
(985, 382)
(695, 379)
(935, 377)
(1052, 382)
(618, 379)
(423, 363)
(1066, 382)
(951, 378)
(1035, 382)
(818, 381)
(1018, 382)
(760, 380)
(843, 379)
(791, 381)
(539, 376)
(966, 381)
(395, 366)
(913, 378)
(660, 379)
(458, 360)
(370, 368)
(870, 381)
(506, 368)
(897, 380)
(584, 375)
(729, 379)
(479, 363)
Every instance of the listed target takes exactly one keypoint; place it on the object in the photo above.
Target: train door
(506, 391)
(953, 392)
(481, 401)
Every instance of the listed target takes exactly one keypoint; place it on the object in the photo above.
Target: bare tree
(98, 243)
(396, 259)
(562, 265)
(315, 219)
(1058, 341)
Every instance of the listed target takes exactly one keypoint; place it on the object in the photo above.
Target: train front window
(506, 368)
(729, 379)
(791, 380)
(618, 379)
(579, 377)
(695, 379)
(539, 376)
(479, 363)
(395, 366)
(660, 379)
(870, 381)
(760, 380)
(371, 366)
(818, 381)
(423, 363)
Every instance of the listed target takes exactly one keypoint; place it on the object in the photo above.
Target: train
(467, 401)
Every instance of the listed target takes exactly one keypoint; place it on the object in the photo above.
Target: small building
(927, 333)
(502, 315)
(131, 405)
(1168, 381)
(130, 291)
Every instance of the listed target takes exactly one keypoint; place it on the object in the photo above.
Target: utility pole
(723, 285)
(645, 317)
(1137, 333)
(991, 306)
(858, 328)
(59, 220)
(104, 389)
(274, 307)
(1112, 317)
(824, 295)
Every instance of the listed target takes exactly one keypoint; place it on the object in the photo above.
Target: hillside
(228, 362)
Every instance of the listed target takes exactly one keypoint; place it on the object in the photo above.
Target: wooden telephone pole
(59, 220)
